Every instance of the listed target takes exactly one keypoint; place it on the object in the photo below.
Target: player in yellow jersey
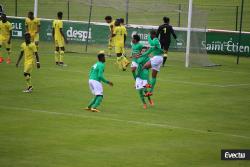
(119, 38)
(5, 37)
(28, 49)
(111, 23)
(126, 33)
(59, 39)
(32, 25)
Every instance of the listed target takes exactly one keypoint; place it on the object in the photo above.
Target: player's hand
(9, 42)
(111, 83)
(38, 65)
(16, 65)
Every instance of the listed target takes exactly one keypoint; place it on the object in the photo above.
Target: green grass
(221, 14)
(197, 112)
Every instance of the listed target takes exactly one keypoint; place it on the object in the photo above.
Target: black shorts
(165, 45)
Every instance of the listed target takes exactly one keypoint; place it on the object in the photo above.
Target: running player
(5, 37)
(156, 61)
(28, 49)
(95, 85)
(165, 30)
(32, 25)
(111, 23)
(59, 39)
(119, 36)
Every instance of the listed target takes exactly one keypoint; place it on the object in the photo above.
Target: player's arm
(172, 32)
(158, 31)
(19, 58)
(111, 31)
(10, 37)
(53, 33)
(38, 26)
(101, 77)
(26, 26)
(61, 31)
(37, 60)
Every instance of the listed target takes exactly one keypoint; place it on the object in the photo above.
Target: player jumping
(28, 49)
(95, 85)
(156, 61)
(59, 39)
(5, 37)
(165, 31)
(32, 25)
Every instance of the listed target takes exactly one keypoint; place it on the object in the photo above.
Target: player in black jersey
(164, 31)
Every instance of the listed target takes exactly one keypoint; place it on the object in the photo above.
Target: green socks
(98, 100)
(153, 82)
(134, 74)
(142, 96)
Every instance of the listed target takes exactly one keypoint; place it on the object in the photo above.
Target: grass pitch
(197, 112)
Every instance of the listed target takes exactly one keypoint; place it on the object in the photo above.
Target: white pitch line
(170, 80)
(168, 126)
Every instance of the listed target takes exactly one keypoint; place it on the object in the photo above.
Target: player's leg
(141, 94)
(36, 40)
(8, 60)
(155, 63)
(165, 55)
(27, 75)
(97, 90)
(57, 54)
(62, 49)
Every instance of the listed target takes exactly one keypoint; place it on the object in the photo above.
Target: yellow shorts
(111, 43)
(59, 42)
(119, 48)
(28, 68)
(4, 43)
(35, 37)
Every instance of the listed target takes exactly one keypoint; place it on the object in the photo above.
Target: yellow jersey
(32, 25)
(119, 35)
(125, 29)
(29, 51)
(57, 25)
(5, 29)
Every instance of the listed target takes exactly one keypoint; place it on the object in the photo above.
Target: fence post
(179, 17)
(90, 15)
(236, 17)
(15, 7)
(68, 8)
(127, 8)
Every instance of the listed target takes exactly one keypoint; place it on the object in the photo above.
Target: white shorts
(134, 64)
(156, 62)
(95, 87)
(140, 84)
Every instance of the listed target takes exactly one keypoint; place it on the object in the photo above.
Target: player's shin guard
(165, 57)
(152, 83)
(119, 62)
(61, 56)
(57, 57)
(92, 102)
(98, 101)
(28, 79)
(142, 96)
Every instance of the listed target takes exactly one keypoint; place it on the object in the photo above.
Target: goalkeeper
(165, 30)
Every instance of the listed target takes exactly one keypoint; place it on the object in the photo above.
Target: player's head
(117, 22)
(153, 34)
(101, 57)
(59, 15)
(3, 17)
(136, 38)
(108, 19)
(121, 20)
(27, 37)
(166, 19)
(31, 15)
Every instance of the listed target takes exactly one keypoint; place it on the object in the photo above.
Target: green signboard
(77, 32)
